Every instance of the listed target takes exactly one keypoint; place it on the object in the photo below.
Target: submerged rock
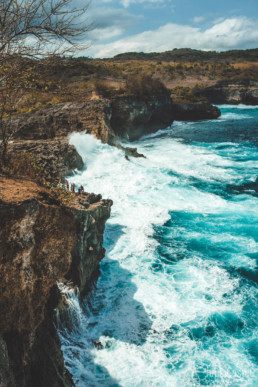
(132, 152)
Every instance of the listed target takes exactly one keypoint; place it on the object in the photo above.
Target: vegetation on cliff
(70, 80)
(77, 79)
(47, 232)
(191, 55)
(41, 243)
(31, 31)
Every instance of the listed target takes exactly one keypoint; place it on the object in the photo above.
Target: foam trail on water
(176, 302)
(237, 107)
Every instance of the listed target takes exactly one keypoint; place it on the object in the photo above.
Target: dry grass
(77, 80)
(246, 65)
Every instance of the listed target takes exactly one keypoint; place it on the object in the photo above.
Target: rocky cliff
(44, 133)
(56, 157)
(132, 118)
(90, 214)
(232, 92)
(58, 121)
(41, 242)
(195, 111)
(122, 117)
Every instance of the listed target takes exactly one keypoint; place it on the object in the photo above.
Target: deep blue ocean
(176, 300)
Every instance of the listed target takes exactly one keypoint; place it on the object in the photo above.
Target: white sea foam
(232, 116)
(239, 106)
(145, 311)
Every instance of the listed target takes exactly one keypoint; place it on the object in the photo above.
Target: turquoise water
(176, 300)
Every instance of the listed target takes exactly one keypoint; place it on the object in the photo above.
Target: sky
(160, 25)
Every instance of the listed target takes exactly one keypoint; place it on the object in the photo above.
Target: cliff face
(131, 118)
(123, 117)
(44, 132)
(233, 93)
(90, 214)
(195, 111)
(58, 121)
(40, 242)
(56, 157)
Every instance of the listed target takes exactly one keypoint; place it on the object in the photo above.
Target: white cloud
(105, 33)
(109, 23)
(238, 32)
(218, 20)
(127, 3)
(198, 19)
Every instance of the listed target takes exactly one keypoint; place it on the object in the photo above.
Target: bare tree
(9, 101)
(32, 27)
(30, 31)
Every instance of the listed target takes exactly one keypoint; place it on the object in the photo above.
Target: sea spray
(69, 315)
(176, 301)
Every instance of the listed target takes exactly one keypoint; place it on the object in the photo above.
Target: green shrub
(186, 94)
(25, 164)
(144, 87)
(103, 88)
(59, 193)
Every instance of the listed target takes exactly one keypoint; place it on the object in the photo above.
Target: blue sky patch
(160, 25)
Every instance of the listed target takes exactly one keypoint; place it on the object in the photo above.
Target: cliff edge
(41, 242)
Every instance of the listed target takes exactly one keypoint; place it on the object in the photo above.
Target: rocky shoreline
(121, 117)
(42, 243)
(232, 92)
(195, 111)
(44, 132)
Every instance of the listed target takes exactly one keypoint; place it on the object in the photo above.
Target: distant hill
(190, 55)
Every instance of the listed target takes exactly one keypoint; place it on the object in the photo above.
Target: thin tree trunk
(4, 153)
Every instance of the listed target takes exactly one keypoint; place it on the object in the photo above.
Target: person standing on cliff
(67, 185)
(73, 187)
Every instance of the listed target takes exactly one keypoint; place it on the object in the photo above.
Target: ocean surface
(176, 301)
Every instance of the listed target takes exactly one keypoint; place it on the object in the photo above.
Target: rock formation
(44, 133)
(40, 243)
(56, 157)
(122, 117)
(132, 118)
(90, 214)
(195, 111)
(232, 92)
(58, 121)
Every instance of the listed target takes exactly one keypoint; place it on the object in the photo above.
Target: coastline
(86, 222)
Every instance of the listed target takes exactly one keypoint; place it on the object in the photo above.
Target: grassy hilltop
(184, 72)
